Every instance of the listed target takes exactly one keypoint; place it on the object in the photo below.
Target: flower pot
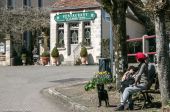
(24, 61)
(44, 60)
(55, 60)
(83, 60)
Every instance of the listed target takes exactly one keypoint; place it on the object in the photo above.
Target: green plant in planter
(83, 52)
(99, 78)
(54, 52)
(45, 54)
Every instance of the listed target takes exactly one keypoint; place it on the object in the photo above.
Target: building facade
(11, 43)
(73, 23)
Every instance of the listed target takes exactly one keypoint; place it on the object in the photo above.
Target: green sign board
(78, 16)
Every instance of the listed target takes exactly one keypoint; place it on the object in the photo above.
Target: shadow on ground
(89, 99)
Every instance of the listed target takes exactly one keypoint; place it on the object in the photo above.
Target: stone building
(76, 22)
(10, 43)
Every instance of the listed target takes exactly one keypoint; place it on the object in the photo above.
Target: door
(73, 37)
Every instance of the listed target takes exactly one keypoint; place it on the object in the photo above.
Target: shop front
(73, 29)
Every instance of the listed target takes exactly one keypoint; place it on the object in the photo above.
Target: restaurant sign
(78, 16)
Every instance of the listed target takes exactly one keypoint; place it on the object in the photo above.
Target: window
(40, 3)
(10, 4)
(74, 36)
(60, 35)
(74, 33)
(87, 34)
(26, 3)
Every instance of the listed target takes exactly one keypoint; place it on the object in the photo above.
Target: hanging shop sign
(78, 16)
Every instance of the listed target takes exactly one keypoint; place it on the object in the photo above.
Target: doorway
(73, 37)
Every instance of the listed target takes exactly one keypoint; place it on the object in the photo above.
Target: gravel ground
(89, 99)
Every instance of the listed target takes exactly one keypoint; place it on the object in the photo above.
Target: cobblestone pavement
(20, 86)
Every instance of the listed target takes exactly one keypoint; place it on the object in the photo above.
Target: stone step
(3, 63)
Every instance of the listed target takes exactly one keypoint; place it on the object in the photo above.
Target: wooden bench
(147, 94)
(148, 97)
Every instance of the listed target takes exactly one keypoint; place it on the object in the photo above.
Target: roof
(130, 14)
(75, 4)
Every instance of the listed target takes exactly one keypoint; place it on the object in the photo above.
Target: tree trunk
(119, 32)
(162, 49)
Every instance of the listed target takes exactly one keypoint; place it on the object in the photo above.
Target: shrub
(45, 54)
(54, 52)
(83, 52)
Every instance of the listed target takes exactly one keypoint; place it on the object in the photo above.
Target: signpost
(77, 16)
(108, 19)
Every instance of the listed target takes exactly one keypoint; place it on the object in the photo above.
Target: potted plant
(45, 57)
(83, 54)
(55, 56)
(24, 58)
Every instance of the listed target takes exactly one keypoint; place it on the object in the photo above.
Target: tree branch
(108, 5)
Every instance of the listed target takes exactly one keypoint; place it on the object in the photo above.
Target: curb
(64, 100)
(75, 107)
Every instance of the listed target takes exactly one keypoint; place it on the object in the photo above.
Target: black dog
(102, 95)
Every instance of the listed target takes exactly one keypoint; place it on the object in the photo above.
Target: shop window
(10, 4)
(74, 33)
(74, 36)
(87, 34)
(60, 35)
(74, 25)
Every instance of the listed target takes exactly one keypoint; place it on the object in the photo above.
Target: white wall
(134, 29)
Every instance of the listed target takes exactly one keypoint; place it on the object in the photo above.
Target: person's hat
(141, 56)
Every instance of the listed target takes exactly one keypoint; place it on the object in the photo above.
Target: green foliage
(100, 78)
(45, 54)
(83, 52)
(55, 52)
(23, 20)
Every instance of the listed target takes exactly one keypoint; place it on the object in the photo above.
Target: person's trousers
(127, 93)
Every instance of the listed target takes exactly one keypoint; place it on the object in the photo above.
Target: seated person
(128, 78)
(141, 82)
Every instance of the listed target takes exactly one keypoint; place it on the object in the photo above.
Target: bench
(147, 94)
(148, 97)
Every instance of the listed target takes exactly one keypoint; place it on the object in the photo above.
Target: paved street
(20, 86)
